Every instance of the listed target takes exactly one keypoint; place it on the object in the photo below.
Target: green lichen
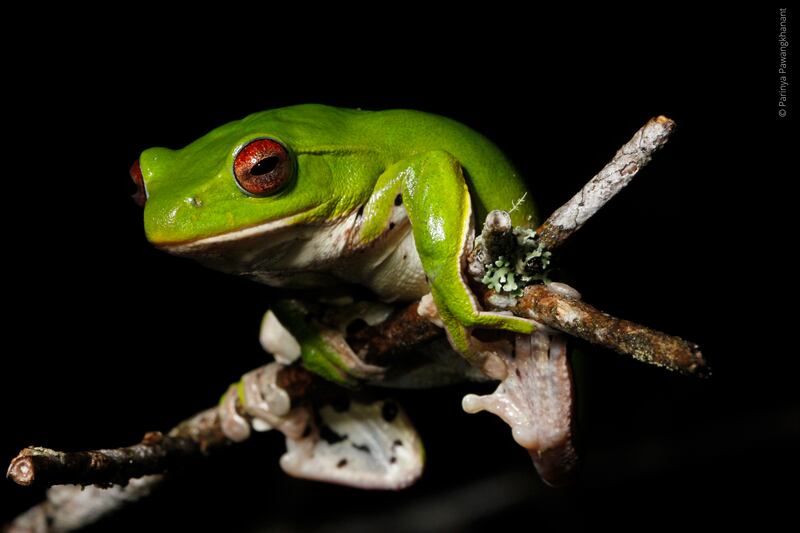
(540, 256)
(526, 264)
(499, 276)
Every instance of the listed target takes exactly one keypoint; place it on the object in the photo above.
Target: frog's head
(238, 188)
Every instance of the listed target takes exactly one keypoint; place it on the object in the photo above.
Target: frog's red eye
(140, 197)
(262, 167)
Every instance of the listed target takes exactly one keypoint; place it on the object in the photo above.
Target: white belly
(330, 254)
(392, 270)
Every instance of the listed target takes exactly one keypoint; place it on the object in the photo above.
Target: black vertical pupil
(265, 166)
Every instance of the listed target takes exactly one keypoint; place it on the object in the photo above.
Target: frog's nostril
(140, 196)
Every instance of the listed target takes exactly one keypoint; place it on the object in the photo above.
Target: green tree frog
(312, 196)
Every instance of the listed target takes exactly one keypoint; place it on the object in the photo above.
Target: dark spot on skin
(362, 448)
(307, 431)
(342, 463)
(397, 443)
(330, 436)
(391, 225)
(389, 411)
(340, 404)
(398, 200)
(393, 460)
(518, 373)
(361, 211)
(405, 255)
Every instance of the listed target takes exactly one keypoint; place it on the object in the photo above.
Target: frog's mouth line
(259, 230)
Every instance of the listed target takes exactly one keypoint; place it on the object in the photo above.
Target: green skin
(346, 160)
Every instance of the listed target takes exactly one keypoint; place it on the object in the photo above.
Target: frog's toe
(234, 426)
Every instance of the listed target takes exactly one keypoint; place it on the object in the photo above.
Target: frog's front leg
(431, 185)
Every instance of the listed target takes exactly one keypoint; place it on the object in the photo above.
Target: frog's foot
(290, 331)
(536, 400)
(364, 445)
(269, 405)
(257, 400)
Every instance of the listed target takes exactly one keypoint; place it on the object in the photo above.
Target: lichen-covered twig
(560, 309)
(627, 162)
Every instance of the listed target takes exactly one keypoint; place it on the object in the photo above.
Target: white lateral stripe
(252, 231)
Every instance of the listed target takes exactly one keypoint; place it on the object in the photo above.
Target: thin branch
(627, 162)
(580, 319)
(402, 331)
(154, 455)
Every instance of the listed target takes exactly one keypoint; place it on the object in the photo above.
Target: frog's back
(494, 181)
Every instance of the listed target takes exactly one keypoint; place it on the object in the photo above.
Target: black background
(107, 338)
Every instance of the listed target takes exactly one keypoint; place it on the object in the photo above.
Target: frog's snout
(140, 196)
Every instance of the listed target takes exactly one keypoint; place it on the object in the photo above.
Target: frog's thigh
(440, 210)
